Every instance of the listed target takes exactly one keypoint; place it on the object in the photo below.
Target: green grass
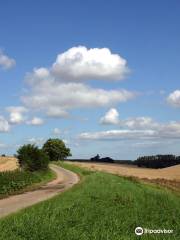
(17, 181)
(101, 207)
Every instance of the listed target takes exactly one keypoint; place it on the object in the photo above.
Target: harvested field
(8, 164)
(169, 177)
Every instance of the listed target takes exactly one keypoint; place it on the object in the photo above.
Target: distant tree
(3, 155)
(56, 149)
(107, 159)
(31, 158)
(96, 158)
(157, 161)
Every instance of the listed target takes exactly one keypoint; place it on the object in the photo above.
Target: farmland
(102, 206)
(8, 164)
(169, 177)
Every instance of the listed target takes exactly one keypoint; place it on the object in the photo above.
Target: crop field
(170, 173)
(101, 207)
(8, 164)
(169, 177)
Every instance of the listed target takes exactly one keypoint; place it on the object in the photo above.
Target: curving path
(65, 179)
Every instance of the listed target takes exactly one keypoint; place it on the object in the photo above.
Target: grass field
(101, 207)
(17, 181)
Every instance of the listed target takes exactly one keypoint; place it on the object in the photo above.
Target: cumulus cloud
(16, 114)
(5, 61)
(55, 98)
(36, 121)
(80, 63)
(4, 125)
(174, 98)
(56, 90)
(139, 129)
(111, 117)
(140, 123)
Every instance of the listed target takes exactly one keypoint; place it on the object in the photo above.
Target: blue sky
(97, 102)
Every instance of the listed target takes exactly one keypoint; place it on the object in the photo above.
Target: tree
(31, 158)
(56, 149)
(157, 161)
(96, 158)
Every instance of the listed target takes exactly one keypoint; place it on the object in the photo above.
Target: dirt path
(65, 179)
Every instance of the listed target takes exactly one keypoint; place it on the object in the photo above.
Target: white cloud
(36, 121)
(56, 112)
(138, 131)
(117, 134)
(80, 63)
(16, 114)
(4, 125)
(5, 61)
(37, 141)
(56, 98)
(174, 98)
(111, 117)
(56, 90)
(140, 123)
(57, 131)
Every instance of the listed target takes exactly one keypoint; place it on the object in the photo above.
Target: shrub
(56, 149)
(31, 158)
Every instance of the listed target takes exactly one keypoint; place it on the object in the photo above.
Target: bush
(17, 180)
(31, 158)
(56, 149)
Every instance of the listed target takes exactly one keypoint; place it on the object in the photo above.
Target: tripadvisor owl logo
(139, 231)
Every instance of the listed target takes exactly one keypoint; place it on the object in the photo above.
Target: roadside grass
(101, 207)
(17, 181)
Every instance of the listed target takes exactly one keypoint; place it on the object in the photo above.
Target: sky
(101, 75)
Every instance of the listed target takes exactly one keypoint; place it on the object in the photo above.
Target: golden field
(169, 177)
(8, 164)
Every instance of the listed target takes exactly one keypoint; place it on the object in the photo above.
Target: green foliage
(15, 181)
(101, 207)
(158, 161)
(32, 158)
(56, 149)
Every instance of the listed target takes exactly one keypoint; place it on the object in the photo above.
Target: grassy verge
(17, 181)
(101, 207)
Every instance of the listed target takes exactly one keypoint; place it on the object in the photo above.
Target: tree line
(157, 161)
(154, 161)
